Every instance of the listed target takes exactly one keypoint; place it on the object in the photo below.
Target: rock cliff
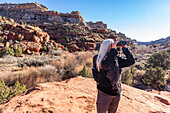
(29, 38)
(25, 7)
(78, 95)
(68, 29)
(37, 13)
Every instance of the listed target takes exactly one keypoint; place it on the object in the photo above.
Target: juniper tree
(154, 77)
(160, 59)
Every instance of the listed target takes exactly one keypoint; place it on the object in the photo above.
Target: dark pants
(107, 102)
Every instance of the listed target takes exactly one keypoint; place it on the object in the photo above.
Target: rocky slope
(29, 38)
(78, 95)
(159, 41)
(69, 29)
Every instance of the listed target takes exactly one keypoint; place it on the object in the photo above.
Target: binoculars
(121, 43)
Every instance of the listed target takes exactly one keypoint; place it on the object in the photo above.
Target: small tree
(84, 72)
(133, 73)
(4, 91)
(154, 77)
(67, 39)
(8, 51)
(160, 59)
(18, 88)
(126, 75)
(1, 39)
(17, 50)
(66, 49)
(1, 28)
(44, 48)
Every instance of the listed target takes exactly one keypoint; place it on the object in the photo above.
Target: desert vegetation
(153, 75)
(30, 71)
(33, 53)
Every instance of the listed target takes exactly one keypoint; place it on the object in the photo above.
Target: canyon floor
(79, 94)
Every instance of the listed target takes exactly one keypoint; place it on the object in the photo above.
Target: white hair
(103, 51)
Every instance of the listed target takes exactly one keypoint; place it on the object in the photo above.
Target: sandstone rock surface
(78, 95)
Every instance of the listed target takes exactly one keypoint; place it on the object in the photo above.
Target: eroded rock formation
(78, 95)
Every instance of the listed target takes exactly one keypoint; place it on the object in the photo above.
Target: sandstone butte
(78, 95)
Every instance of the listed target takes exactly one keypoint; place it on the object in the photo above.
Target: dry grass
(66, 67)
(73, 63)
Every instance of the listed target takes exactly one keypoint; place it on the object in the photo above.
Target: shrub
(14, 51)
(55, 23)
(66, 30)
(44, 48)
(4, 18)
(17, 50)
(133, 73)
(56, 47)
(160, 59)
(9, 59)
(154, 77)
(18, 88)
(128, 76)
(8, 51)
(1, 39)
(6, 93)
(55, 52)
(84, 72)
(67, 39)
(1, 28)
(125, 78)
(33, 62)
(66, 49)
(47, 73)
(81, 49)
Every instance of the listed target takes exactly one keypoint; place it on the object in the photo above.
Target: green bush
(6, 93)
(128, 76)
(44, 48)
(4, 18)
(14, 51)
(154, 77)
(56, 47)
(160, 59)
(18, 88)
(81, 49)
(8, 51)
(17, 50)
(67, 39)
(66, 49)
(84, 72)
(55, 23)
(1, 28)
(1, 39)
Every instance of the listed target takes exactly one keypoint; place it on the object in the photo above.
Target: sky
(143, 20)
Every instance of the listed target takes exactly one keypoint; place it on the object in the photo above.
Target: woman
(109, 66)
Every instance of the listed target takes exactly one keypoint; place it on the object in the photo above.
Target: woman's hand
(114, 44)
(122, 46)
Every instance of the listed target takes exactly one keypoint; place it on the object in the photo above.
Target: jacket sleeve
(105, 64)
(129, 59)
(94, 60)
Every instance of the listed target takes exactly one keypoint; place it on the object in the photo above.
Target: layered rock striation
(27, 37)
(68, 29)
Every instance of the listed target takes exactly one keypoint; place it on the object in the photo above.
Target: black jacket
(111, 71)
